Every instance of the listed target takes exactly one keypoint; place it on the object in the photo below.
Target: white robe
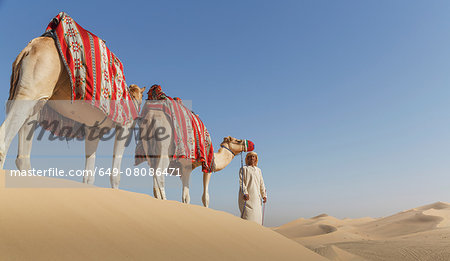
(251, 182)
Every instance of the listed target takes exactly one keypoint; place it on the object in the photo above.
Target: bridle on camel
(244, 146)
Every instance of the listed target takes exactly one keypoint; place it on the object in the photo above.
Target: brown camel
(38, 76)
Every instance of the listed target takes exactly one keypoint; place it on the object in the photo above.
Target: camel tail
(15, 75)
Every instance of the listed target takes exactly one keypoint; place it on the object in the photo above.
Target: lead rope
(137, 120)
(136, 130)
(242, 185)
(264, 209)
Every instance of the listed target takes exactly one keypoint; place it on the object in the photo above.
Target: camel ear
(226, 139)
(142, 89)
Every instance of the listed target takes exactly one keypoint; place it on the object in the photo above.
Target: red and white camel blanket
(96, 74)
(191, 138)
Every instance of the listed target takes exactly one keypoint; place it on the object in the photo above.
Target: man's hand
(246, 197)
(264, 199)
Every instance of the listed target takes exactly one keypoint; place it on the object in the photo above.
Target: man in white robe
(251, 189)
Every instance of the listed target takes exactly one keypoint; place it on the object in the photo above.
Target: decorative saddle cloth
(191, 138)
(96, 74)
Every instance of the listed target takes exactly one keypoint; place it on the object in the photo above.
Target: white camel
(38, 76)
(162, 148)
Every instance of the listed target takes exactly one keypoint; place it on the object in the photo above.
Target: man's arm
(242, 173)
(262, 187)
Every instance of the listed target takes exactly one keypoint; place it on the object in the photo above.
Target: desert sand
(81, 222)
(421, 233)
(55, 219)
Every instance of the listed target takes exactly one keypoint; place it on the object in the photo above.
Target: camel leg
(160, 163)
(205, 197)
(35, 74)
(153, 151)
(122, 134)
(158, 187)
(90, 149)
(20, 112)
(185, 177)
(26, 134)
(158, 159)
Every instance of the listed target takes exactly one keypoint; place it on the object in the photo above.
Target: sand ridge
(420, 233)
(89, 223)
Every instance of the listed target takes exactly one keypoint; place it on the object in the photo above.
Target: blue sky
(347, 102)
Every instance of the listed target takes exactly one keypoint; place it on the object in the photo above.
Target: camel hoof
(205, 200)
(2, 160)
(23, 163)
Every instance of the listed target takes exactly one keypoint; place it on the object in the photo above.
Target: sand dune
(309, 227)
(54, 219)
(401, 224)
(437, 205)
(421, 233)
(88, 223)
(336, 254)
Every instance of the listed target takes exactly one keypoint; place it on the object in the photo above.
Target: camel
(39, 76)
(230, 147)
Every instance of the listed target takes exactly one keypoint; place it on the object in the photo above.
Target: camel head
(237, 146)
(136, 94)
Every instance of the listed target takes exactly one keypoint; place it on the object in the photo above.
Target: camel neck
(222, 158)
